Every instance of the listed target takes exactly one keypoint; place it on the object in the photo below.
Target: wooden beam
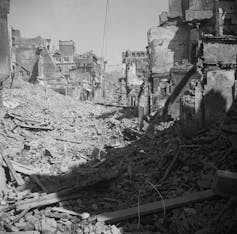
(28, 171)
(45, 200)
(170, 166)
(36, 127)
(67, 194)
(66, 211)
(22, 168)
(3, 183)
(18, 179)
(23, 232)
(116, 216)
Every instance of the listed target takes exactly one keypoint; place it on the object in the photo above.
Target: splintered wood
(18, 179)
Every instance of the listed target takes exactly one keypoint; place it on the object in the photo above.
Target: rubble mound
(79, 166)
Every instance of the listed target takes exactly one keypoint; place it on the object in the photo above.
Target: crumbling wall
(184, 80)
(26, 60)
(4, 47)
(168, 46)
(201, 5)
(33, 59)
(203, 94)
(214, 52)
(230, 21)
(49, 67)
(219, 56)
(175, 8)
(132, 78)
(218, 93)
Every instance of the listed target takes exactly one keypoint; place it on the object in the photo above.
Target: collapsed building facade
(193, 60)
(63, 57)
(31, 60)
(4, 51)
(88, 74)
(135, 67)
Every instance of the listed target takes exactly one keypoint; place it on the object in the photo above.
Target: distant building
(64, 57)
(135, 67)
(87, 75)
(89, 62)
(139, 59)
(31, 57)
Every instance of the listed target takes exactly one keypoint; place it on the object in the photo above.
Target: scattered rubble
(94, 161)
(79, 167)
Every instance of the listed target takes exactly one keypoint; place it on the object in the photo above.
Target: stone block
(201, 5)
(191, 15)
(215, 53)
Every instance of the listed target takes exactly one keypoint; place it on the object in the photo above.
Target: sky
(83, 22)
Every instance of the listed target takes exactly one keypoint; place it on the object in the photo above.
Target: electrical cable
(104, 42)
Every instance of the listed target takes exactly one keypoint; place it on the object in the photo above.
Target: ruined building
(193, 60)
(86, 77)
(63, 57)
(31, 57)
(4, 49)
(135, 66)
(138, 59)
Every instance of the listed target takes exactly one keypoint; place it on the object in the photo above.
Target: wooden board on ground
(23, 232)
(67, 194)
(116, 216)
(18, 179)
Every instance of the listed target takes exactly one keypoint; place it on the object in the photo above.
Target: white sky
(83, 21)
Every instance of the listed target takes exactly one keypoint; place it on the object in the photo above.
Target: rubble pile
(47, 137)
(71, 162)
(44, 123)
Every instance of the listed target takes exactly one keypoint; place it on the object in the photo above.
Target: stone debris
(52, 144)
(94, 160)
(68, 166)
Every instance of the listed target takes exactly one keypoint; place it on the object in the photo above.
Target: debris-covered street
(70, 167)
(145, 146)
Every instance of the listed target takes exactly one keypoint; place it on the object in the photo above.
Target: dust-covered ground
(78, 160)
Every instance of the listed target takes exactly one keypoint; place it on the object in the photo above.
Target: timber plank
(112, 217)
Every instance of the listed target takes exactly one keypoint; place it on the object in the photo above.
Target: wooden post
(3, 185)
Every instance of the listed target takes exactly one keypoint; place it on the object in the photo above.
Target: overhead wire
(105, 32)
